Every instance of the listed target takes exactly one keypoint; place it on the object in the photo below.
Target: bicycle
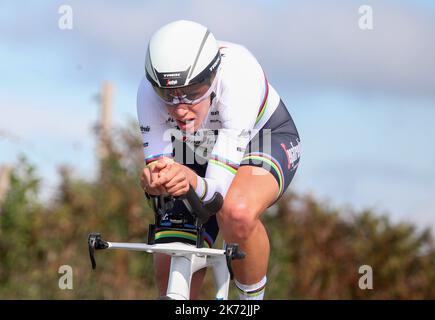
(185, 258)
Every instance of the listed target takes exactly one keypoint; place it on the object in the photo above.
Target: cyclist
(210, 118)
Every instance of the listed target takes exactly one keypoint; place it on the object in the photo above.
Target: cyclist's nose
(181, 110)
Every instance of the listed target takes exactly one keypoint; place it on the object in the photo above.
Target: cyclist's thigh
(275, 150)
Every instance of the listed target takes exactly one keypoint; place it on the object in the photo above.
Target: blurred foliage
(316, 251)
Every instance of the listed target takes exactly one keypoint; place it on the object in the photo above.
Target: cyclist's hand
(174, 179)
(150, 176)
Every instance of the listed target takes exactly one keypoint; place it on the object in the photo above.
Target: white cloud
(310, 43)
(313, 43)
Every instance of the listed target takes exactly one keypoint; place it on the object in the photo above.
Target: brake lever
(95, 243)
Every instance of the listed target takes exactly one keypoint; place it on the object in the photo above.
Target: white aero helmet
(182, 61)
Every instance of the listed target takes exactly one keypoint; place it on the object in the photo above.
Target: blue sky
(363, 101)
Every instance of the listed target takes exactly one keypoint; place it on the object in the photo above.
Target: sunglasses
(191, 94)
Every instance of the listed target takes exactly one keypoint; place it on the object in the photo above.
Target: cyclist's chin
(189, 126)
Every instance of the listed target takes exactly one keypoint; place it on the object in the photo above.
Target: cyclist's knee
(237, 219)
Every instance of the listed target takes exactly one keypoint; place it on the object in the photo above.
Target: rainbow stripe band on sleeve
(204, 193)
(153, 158)
(264, 102)
(272, 162)
(224, 163)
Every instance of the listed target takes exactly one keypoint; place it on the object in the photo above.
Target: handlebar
(202, 209)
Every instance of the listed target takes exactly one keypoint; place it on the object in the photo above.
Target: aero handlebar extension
(202, 209)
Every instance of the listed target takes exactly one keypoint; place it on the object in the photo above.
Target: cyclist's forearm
(205, 188)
